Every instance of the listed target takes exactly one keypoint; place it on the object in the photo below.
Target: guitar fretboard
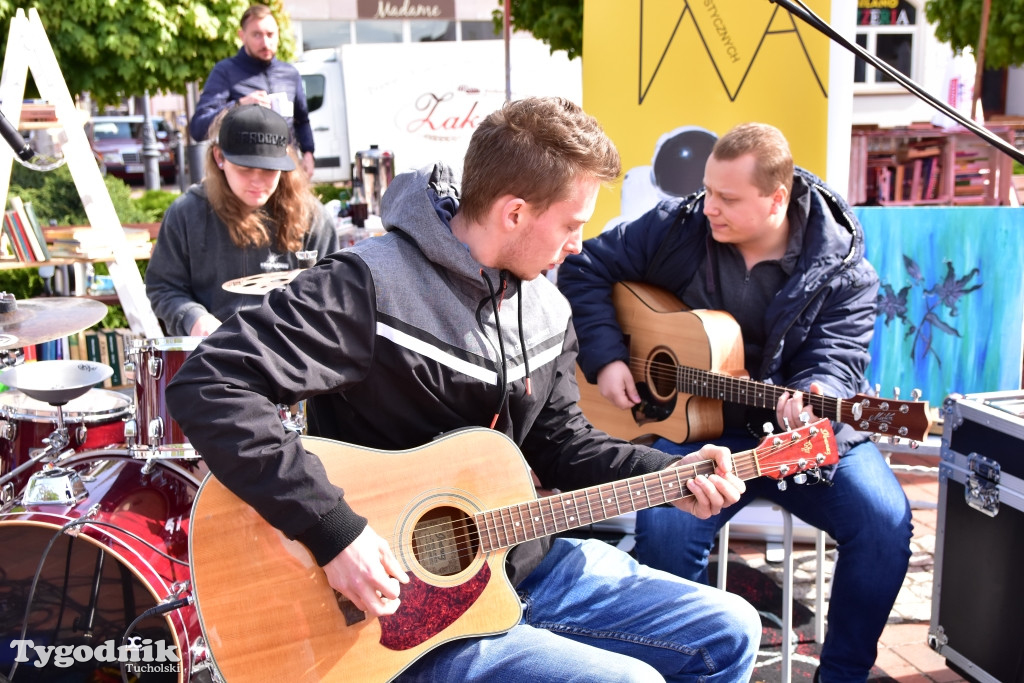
(748, 392)
(507, 526)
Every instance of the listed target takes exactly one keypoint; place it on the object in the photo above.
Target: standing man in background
(256, 76)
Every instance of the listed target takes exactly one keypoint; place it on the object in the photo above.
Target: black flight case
(977, 620)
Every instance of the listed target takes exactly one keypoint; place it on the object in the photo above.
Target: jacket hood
(419, 205)
(840, 235)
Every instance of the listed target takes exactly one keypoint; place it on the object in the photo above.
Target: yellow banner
(653, 67)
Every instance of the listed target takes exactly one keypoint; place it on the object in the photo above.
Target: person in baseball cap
(253, 214)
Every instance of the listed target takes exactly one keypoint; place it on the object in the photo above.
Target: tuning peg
(878, 390)
(782, 485)
(896, 392)
(768, 428)
(785, 423)
(800, 478)
(805, 417)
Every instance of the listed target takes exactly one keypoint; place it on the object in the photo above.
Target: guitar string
(666, 374)
(467, 543)
(673, 376)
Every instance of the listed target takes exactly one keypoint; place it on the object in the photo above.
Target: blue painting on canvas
(951, 301)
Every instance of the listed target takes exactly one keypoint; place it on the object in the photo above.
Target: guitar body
(267, 611)
(663, 334)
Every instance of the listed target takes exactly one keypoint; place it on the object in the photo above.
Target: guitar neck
(507, 526)
(748, 392)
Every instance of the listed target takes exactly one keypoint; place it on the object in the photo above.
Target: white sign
(424, 100)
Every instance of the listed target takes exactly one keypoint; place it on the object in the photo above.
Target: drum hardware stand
(55, 382)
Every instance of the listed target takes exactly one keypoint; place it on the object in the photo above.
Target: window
(423, 30)
(313, 84)
(378, 31)
(323, 34)
(479, 30)
(886, 29)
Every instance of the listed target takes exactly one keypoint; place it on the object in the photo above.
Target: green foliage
(559, 23)
(958, 22)
(154, 203)
(55, 198)
(115, 49)
(23, 283)
(325, 192)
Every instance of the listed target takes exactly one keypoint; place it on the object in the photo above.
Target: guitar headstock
(798, 450)
(889, 417)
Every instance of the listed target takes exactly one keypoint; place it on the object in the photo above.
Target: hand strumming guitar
(617, 385)
(367, 573)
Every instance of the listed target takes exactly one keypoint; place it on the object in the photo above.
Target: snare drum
(98, 577)
(94, 420)
(153, 433)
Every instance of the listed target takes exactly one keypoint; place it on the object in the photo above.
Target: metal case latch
(981, 489)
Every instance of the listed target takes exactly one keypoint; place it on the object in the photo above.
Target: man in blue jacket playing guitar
(782, 254)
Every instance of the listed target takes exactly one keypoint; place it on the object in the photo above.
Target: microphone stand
(24, 153)
(803, 12)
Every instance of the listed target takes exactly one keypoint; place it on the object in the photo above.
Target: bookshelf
(923, 165)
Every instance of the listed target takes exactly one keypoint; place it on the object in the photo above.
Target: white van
(421, 101)
(324, 84)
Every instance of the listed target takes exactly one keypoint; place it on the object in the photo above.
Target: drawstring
(502, 370)
(496, 299)
(522, 343)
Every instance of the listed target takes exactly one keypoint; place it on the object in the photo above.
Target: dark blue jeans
(592, 613)
(865, 511)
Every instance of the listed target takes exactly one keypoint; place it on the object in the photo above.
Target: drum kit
(96, 492)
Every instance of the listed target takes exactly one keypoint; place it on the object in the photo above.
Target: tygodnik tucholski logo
(140, 655)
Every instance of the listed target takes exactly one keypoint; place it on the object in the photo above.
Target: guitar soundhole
(662, 374)
(445, 541)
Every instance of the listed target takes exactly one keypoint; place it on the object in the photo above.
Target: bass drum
(94, 420)
(126, 550)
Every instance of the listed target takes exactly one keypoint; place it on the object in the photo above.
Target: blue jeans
(865, 511)
(592, 613)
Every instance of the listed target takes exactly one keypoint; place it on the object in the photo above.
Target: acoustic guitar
(687, 362)
(450, 510)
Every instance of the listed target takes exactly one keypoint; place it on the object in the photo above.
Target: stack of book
(22, 237)
(83, 242)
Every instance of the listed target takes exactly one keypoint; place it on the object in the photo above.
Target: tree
(958, 22)
(559, 23)
(120, 48)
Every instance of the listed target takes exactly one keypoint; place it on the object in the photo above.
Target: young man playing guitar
(774, 247)
(442, 324)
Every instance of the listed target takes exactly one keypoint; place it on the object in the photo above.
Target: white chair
(760, 505)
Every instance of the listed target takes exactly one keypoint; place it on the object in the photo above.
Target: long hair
(534, 148)
(286, 214)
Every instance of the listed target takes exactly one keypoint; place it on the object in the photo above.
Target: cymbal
(262, 283)
(34, 321)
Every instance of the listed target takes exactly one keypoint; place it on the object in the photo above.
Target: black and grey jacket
(394, 341)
